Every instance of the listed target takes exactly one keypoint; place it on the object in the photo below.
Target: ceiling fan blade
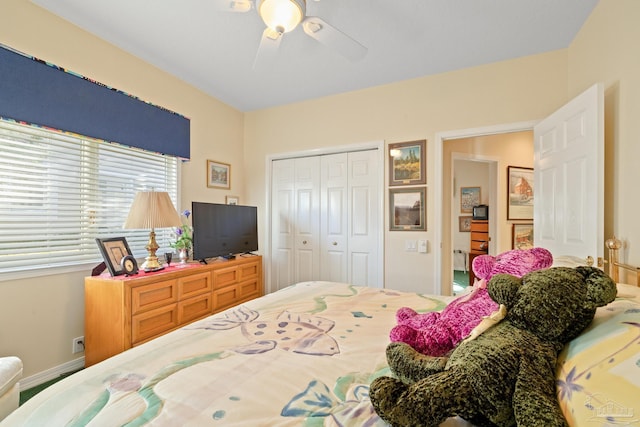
(234, 5)
(268, 48)
(333, 38)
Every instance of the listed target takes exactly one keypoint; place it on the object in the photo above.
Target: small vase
(183, 254)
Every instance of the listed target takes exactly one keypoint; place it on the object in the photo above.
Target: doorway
(480, 140)
(469, 172)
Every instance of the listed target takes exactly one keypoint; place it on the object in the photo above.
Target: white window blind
(60, 192)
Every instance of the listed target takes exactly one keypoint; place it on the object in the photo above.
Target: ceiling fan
(282, 16)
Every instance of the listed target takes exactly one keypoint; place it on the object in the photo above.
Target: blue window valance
(41, 93)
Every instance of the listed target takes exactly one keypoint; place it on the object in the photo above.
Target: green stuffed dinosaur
(505, 376)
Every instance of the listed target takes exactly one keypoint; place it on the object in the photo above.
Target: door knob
(304, 242)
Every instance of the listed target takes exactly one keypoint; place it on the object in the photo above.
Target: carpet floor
(29, 393)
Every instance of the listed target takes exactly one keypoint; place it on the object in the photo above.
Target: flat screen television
(223, 230)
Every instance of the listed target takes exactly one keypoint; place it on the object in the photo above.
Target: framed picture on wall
(519, 193)
(469, 197)
(522, 236)
(218, 174)
(407, 209)
(407, 163)
(464, 223)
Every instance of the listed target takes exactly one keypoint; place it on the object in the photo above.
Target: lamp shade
(152, 209)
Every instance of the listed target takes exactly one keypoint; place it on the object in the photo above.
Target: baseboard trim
(44, 376)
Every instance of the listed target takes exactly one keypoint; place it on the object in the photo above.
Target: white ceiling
(214, 50)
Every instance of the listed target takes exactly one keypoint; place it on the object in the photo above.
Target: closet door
(334, 216)
(295, 221)
(325, 219)
(364, 219)
(282, 223)
(349, 232)
(307, 218)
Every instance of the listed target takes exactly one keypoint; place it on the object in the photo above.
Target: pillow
(598, 373)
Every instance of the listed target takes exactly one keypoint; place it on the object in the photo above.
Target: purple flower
(178, 232)
(186, 213)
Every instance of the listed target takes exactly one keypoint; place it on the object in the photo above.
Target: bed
(304, 356)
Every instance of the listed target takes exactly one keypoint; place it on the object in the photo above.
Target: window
(59, 192)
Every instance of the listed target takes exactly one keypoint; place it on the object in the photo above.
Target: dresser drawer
(249, 288)
(476, 235)
(223, 277)
(195, 308)
(147, 297)
(155, 322)
(480, 226)
(248, 271)
(193, 285)
(479, 246)
(225, 298)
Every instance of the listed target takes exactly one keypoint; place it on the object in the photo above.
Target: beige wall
(39, 317)
(606, 50)
(512, 91)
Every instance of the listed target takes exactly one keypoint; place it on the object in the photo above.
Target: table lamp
(152, 209)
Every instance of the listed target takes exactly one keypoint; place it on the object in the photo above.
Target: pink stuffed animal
(437, 333)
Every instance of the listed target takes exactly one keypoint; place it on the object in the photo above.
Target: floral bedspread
(303, 356)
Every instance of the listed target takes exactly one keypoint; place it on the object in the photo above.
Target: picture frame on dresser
(113, 249)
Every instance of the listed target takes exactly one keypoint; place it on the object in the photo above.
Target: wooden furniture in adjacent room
(479, 243)
(122, 312)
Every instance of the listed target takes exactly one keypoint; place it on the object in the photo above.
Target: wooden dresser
(479, 244)
(122, 312)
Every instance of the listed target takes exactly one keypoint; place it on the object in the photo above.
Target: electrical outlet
(78, 345)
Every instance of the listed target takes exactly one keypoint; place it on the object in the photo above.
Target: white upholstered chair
(10, 374)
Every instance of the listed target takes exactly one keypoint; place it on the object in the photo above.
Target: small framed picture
(464, 223)
(218, 174)
(522, 236)
(232, 200)
(407, 209)
(113, 250)
(469, 197)
(519, 193)
(407, 163)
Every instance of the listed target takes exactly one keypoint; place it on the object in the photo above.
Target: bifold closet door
(365, 234)
(324, 219)
(295, 220)
(349, 235)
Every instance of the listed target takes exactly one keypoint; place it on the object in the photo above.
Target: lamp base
(151, 264)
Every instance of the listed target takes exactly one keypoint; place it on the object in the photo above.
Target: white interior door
(307, 222)
(334, 217)
(569, 178)
(282, 222)
(349, 234)
(325, 219)
(364, 219)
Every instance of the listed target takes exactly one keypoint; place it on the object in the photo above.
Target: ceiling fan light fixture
(282, 15)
